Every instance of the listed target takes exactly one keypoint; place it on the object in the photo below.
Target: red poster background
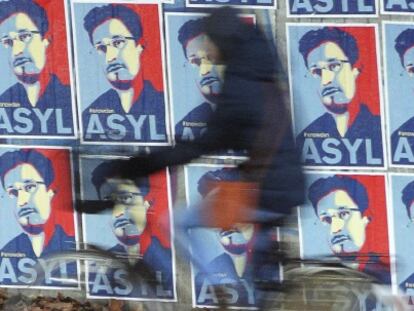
(158, 214)
(57, 52)
(367, 86)
(151, 58)
(62, 212)
(377, 229)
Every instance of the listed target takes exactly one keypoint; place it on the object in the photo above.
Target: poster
(194, 81)
(226, 255)
(119, 64)
(37, 218)
(397, 7)
(194, 88)
(36, 97)
(337, 110)
(139, 226)
(402, 196)
(331, 8)
(398, 58)
(345, 216)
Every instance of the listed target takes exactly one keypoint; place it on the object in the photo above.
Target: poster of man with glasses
(118, 55)
(335, 94)
(402, 199)
(35, 93)
(399, 77)
(37, 218)
(345, 216)
(224, 256)
(195, 82)
(136, 230)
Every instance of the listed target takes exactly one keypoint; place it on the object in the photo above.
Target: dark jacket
(251, 115)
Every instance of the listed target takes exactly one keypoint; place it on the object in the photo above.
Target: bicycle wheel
(332, 289)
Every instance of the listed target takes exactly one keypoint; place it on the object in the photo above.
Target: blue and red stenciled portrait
(194, 89)
(345, 216)
(137, 230)
(402, 190)
(119, 65)
(36, 98)
(195, 83)
(398, 57)
(336, 95)
(37, 218)
(222, 256)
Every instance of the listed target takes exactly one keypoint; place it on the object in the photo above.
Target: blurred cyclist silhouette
(252, 116)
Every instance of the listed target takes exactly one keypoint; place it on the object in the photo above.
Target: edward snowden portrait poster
(36, 97)
(119, 64)
(225, 254)
(345, 215)
(399, 76)
(37, 218)
(336, 95)
(138, 229)
(402, 196)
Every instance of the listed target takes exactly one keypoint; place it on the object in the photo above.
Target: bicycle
(308, 285)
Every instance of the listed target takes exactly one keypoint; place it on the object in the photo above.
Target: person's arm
(142, 165)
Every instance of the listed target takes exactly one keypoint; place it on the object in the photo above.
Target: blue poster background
(310, 227)
(307, 103)
(403, 229)
(399, 84)
(7, 77)
(91, 79)
(399, 90)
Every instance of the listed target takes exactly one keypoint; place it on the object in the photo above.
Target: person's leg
(266, 263)
(191, 231)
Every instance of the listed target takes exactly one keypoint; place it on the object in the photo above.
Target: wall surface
(86, 82)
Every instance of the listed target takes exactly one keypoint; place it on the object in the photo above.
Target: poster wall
(345, 216)
(120, 73)
(37, 218)
(336, 95)
(137, 230)
(96, 72)
(36, 97)
(221, 256)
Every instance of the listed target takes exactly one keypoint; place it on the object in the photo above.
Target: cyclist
(252, 117)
